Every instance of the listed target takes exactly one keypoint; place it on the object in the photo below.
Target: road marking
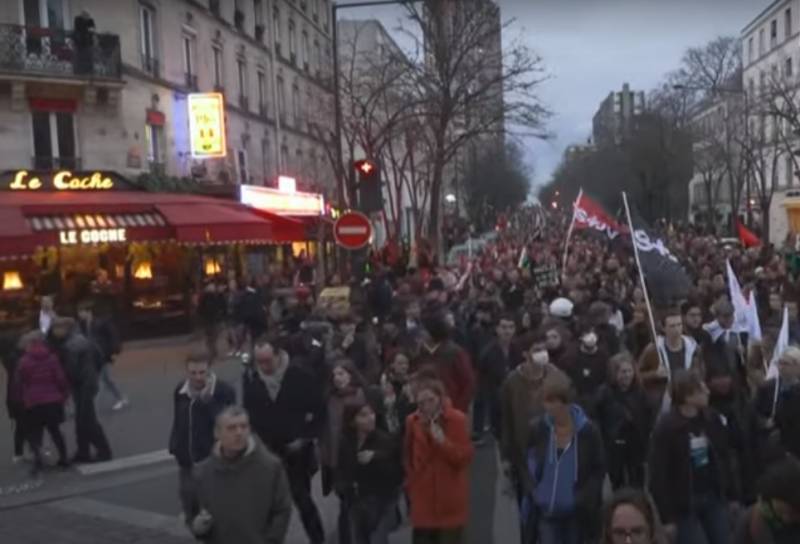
(142, 519)
(352, 230)
(124, 463)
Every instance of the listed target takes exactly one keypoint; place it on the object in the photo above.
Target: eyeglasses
(635, 535)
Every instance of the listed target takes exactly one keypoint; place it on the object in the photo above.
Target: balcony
(47, 52)
(238, 19)
(56, 163)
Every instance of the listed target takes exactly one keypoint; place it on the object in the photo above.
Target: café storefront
(140, 255)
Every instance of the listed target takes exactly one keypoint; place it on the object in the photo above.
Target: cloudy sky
(590, 47)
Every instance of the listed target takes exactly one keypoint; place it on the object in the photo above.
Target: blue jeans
(108, 381)
(707, 524)
(559, 530)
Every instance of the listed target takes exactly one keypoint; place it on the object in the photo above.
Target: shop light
(12, 281)
(144, 271)
(287, 184)
(212, 267)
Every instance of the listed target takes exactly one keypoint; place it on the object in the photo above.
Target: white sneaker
(120, 405)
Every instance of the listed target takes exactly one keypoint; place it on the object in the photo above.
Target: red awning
(32, 219)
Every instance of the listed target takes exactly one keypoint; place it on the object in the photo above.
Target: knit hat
(561, 307)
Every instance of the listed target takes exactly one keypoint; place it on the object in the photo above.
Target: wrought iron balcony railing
(57, 53)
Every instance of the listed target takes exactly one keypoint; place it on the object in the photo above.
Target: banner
(591, 215)
(746, 312)
(667, 281)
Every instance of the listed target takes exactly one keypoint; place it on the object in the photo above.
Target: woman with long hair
(630, 517)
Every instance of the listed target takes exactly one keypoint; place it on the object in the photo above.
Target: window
(284, 157)
(188, 61)
(298, 163)
(262, 92)
(241, 165)
(750, 50)
(787, 23)
(281, 98)
(238, 15)
(762, 82)
(773, 32)
(315, 9)
(154, 139)
(265, 166)
(54, 144)
(147, 27)
(276, 28)
(317, 58)
(241, 66)
(296, 105)
(760, 42)
(305, 48)
(219, 79)
(292, 42)
(789, 171)
(788, 68)
(258, 18)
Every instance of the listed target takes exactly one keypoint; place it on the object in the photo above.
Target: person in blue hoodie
(567, 464)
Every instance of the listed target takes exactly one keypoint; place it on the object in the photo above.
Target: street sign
(352, 230)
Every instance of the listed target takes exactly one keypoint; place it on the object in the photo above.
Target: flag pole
(569, 231)
(641, 275)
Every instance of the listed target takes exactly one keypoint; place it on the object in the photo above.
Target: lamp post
(743, 93)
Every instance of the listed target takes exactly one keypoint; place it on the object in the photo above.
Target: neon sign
(62, 181)
(207, 125)
(282, 203)
(92, 236)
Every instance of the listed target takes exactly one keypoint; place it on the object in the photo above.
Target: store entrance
(95, 273)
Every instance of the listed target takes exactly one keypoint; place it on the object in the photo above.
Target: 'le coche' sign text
(63, 180)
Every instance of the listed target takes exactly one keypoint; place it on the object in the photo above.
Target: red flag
(591, 215)
(747, 236)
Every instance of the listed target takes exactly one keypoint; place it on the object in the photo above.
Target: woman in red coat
(438, 452)
(43, 388)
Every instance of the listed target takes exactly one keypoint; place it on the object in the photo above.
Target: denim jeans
(559, 530)
(707, 524)
(487, 400)
(108, 381)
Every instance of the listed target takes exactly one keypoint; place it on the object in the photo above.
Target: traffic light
(370, 187)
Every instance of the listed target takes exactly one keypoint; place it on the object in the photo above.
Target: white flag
(754, 332)
(780, 346)
(740, 305)
(523, 258)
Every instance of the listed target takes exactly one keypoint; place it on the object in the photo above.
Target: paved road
(137, 503)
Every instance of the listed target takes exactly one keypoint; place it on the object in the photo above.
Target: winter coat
(571, 484)
(296, 413)
(380, 478)
(192, 435)
(522, 406)
(588, 374)
(494, 365)
(452, 364)
(40, 377)
(248, 498)
(79, 358)
(624, 416)
(787, 413)
(211, 308)
(333, 428)
(671, 465)
(104, 338)
(437, 475)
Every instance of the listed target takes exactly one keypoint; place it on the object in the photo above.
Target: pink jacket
(40, 377)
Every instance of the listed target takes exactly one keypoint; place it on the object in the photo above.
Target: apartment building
(770, 56)
(120, 104)
(614, 120)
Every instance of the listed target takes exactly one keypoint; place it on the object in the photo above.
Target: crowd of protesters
(607, 432)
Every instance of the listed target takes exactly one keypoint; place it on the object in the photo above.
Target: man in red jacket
(442, 357)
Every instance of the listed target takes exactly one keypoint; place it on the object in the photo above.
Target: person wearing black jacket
(590, 369)
(211, 313)
(197, 402)
(690, 472)
(369, 476)
(103, 335)
(496, 360)
(9, 357)
(777, 411)
(286, 410)
(625, 419)
(79, 359)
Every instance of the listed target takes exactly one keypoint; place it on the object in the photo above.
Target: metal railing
(151, 65)
(56, 52)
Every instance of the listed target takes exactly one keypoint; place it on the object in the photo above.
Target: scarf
(274, 381)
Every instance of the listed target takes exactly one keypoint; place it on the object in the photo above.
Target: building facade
(120, 103)
(614, 120)
(770, 59)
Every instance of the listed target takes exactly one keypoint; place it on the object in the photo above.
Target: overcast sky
(590, 47)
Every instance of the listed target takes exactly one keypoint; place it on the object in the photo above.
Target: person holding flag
(777, 405)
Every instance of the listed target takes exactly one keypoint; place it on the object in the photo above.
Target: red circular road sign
(352, 230)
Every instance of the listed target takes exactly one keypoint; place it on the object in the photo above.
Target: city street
(133, 499)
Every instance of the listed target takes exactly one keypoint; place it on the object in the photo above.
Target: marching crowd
(616, 420)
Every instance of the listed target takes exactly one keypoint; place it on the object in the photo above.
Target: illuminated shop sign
(63, 180)
(282, 203)
(207, 125)
(92, 236)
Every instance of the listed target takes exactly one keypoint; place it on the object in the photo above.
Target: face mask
(540, 358)
(590, 340)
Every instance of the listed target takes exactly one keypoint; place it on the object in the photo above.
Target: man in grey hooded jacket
(242, 489)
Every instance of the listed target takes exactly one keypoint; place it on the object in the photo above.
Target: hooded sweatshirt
(554, 494)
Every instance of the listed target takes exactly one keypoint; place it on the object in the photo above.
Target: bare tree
(467, 85)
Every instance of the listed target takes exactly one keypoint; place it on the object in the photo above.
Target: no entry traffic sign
(352, 230)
